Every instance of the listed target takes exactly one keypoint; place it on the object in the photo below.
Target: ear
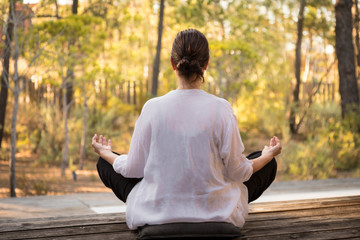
(172, 63)
(206, 65)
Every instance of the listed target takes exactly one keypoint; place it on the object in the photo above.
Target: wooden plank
(291, 229)
(65, 231)
(269, 228)
(291, 222)
(316, 214)
(108, 236)
(62, 222)
(302, 213)
(318, 235)
(304, 204)
(95, 217)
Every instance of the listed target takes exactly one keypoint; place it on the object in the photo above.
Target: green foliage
(344, 140)
(310, 159)
(320, 117)
(332, 145)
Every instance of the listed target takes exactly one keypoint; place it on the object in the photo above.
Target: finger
(272, 141)
(109, 143)
(100, 139)
(94, 139)
(104, 141)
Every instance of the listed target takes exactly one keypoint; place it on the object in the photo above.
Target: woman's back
(184, 175)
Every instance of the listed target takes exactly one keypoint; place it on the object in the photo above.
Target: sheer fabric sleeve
(238, 167)
(133, 164)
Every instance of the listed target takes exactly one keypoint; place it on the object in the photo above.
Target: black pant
(261, 179)
(122, 186)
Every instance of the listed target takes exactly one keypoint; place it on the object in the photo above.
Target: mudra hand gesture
(274, 149)
(99, 144)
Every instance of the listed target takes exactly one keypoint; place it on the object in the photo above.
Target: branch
(323, 77)
(314, 93)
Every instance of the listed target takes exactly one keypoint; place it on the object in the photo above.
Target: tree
(5, 76)
(85, 35)
(17, 19)
(346, 58)
(296, 102)
(156, 66)
(357, 29)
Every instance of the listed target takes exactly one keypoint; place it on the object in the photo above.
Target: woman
(186, 162)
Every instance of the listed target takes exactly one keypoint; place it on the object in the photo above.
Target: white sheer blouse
(187, 147)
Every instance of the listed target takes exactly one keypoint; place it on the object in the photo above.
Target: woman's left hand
(99, 144)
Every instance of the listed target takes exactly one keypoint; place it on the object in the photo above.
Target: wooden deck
(332, 218)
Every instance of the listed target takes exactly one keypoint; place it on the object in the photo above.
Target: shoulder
(223, 104)
(151, 103)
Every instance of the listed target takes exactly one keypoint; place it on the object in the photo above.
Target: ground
(47, 180)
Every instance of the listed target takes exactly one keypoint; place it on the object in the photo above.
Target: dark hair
(190, 53)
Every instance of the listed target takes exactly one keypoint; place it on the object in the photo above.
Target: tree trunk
(295, 105)
(156, 67)
(13, 142)
(75, 6)
(69, 83)
(16, 93)
(357, 29)
(66, 132)
(134, 93)
(56, 10)
(128, 98)
(346, 58)
(5, 74)
(83, 140)
(70, 71)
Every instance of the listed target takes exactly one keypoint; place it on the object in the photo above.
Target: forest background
(74, 68)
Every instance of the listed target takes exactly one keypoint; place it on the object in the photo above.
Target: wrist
(103, 152)
(268, 155)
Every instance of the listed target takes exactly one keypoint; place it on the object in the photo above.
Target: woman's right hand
(274, 149)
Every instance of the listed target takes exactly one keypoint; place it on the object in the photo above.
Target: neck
(184, 84)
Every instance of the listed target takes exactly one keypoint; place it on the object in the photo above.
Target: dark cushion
(208, 230)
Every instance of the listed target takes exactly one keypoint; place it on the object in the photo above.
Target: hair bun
(188, 66)
(184, 62)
